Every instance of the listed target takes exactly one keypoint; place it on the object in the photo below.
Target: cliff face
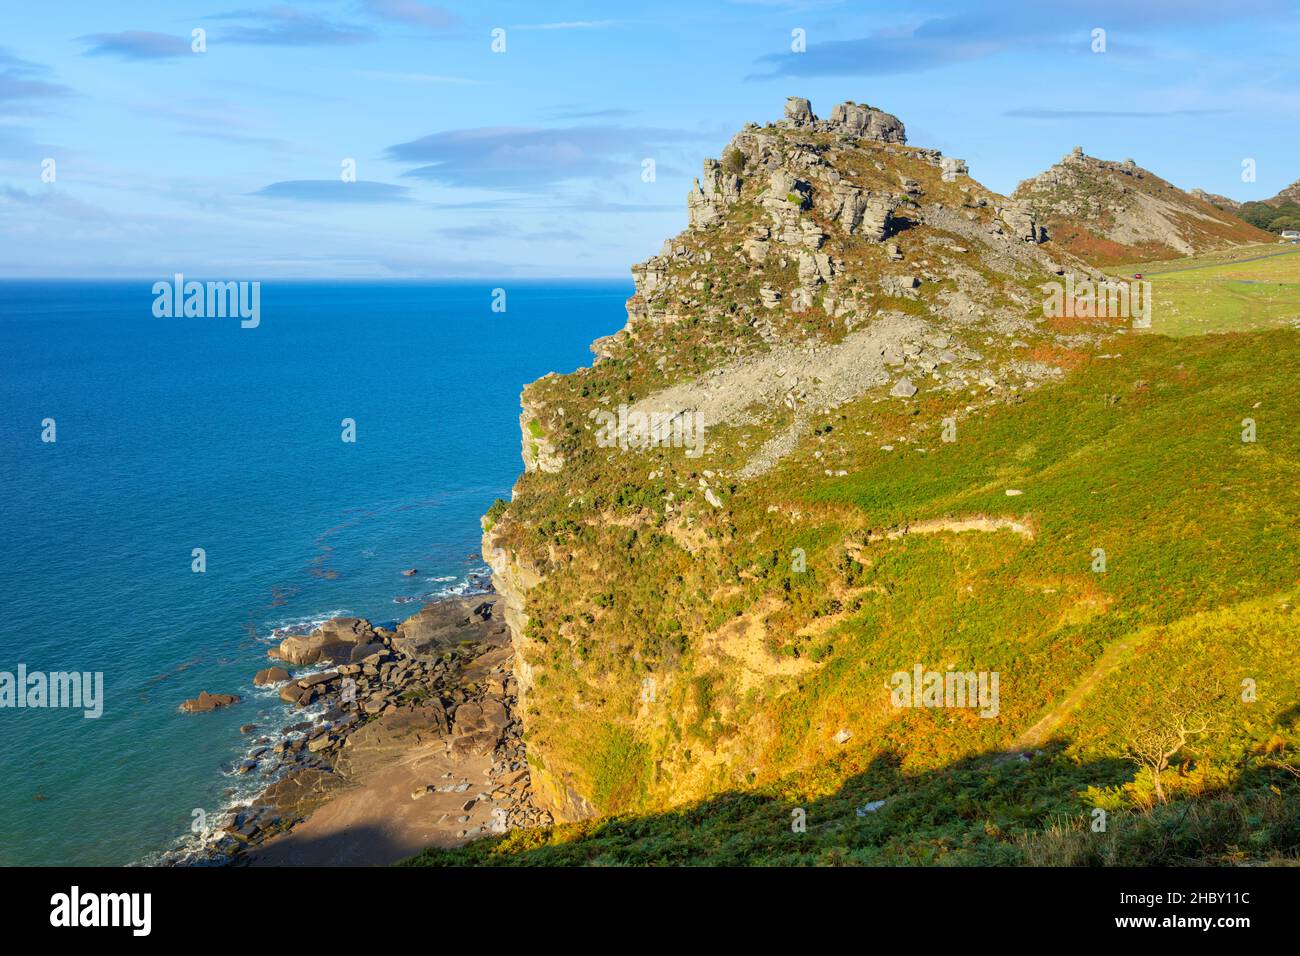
(1107, 212)
(512, 580)
(834, 286)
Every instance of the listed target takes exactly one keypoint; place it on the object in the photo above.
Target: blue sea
(173, 434)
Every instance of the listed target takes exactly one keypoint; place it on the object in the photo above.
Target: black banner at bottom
(137, 904)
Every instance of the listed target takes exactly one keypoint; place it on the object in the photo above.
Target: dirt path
(1111, 659)
(1220, 265)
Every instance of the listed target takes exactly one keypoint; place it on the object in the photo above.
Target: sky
(512, 139)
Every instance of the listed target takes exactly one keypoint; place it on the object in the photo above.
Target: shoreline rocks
(334, 641)
(271, 675)
(206, 702)
(443, 678)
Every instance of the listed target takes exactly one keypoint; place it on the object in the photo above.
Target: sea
(176, 494)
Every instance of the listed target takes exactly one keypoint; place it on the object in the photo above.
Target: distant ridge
(1109, 212)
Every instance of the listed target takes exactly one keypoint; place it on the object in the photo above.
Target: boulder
(206, 702)
(313, 680)
(361, 651)
(332, 641)
(478, 726)
(860, 120)
(1019, 219)
(291, 693)
(903, 388)
(271, 675)
(444, 624)
(799, 111)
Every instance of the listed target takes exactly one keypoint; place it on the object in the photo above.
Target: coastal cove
(177, 434)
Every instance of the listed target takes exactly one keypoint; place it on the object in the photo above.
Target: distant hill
(1289, 195)
(1107, 212)
(1277, 214)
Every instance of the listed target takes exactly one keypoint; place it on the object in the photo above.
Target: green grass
(1139, 455)
(1218, 294)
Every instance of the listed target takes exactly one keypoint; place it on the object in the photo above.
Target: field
(1243, 289)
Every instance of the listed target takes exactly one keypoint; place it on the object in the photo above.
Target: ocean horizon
(176, 434)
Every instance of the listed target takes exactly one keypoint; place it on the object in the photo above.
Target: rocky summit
(1108, 212)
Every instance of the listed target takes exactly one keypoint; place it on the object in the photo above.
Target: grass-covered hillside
(1098, 526)
(758, 667)
(1238, 290)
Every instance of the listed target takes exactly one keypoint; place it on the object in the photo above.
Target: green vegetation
(494, 513)
(1221, 294)
(710, 658)
(1286, 215)
(758, 666)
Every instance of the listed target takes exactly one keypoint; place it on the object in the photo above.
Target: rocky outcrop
(1291, 194)
(827, 266)
(538, 452)
(860, 120)
(859, 213)
(1108, 212)
(1227, 202)
(335, 640)
(798, 111)
(848, 118)
(446, 624)
(1019, 219)
(708, 199)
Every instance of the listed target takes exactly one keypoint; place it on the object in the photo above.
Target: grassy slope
(1221, 294)
(1139, 455)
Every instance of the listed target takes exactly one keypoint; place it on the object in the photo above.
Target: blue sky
(528, 163)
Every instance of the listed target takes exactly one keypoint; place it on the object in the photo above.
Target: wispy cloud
(137, 45)
(567, 25)
(432, 78)
(573, 113)
(53, 202)
(287, 26)
(213, 118)
(413, 13)
(523, 159)
(1051, 114)
(496, 229)
(335, 191)
(24, 80)
(982, 30)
